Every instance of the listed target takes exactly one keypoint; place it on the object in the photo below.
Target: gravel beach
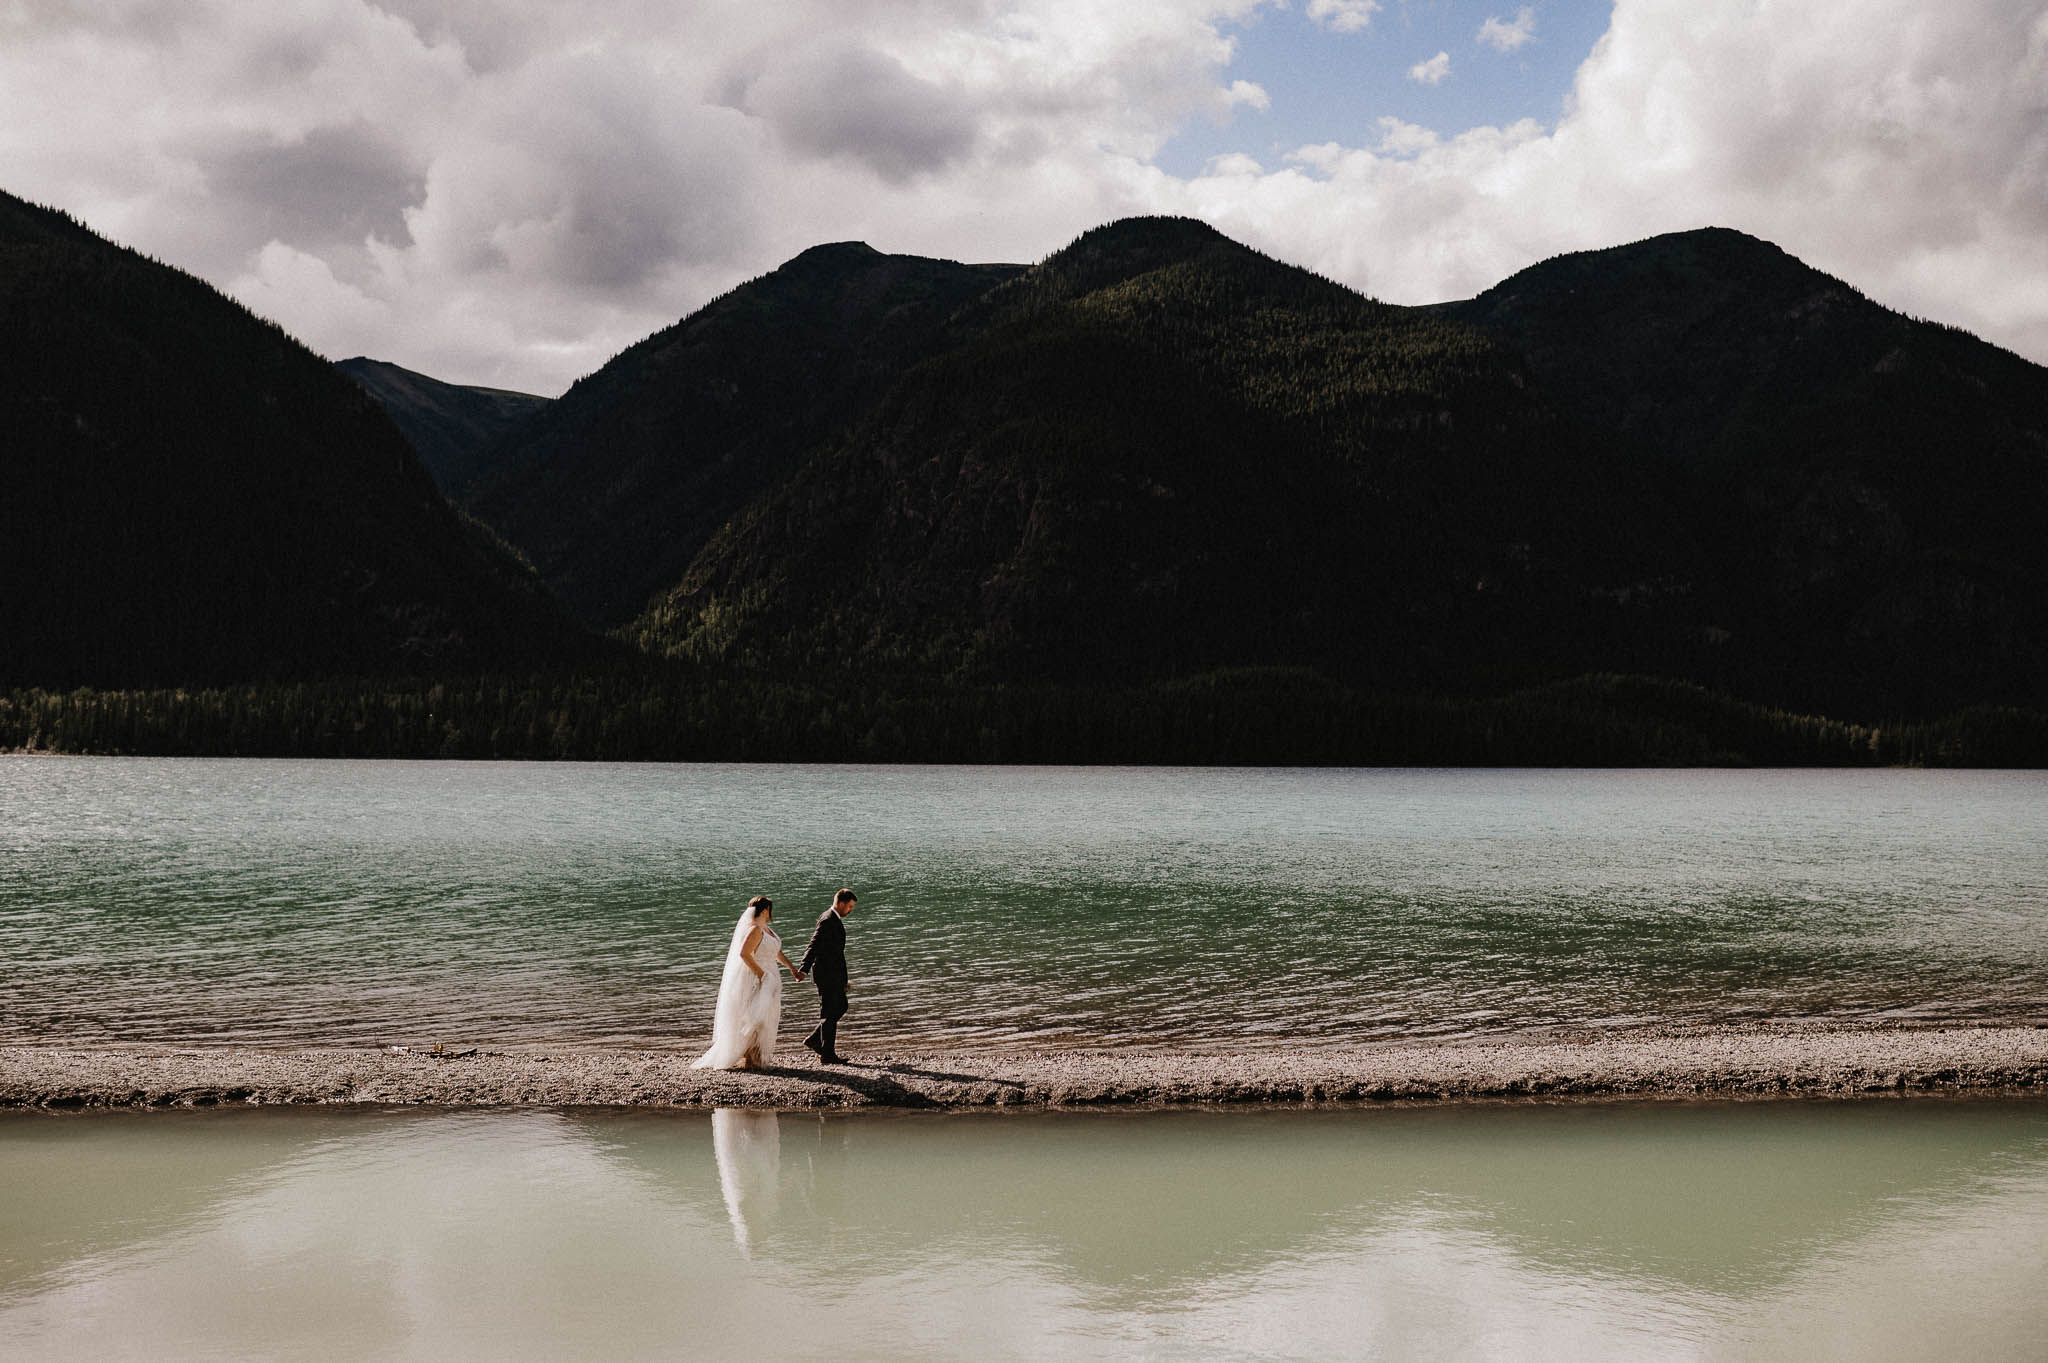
(1756, 1063)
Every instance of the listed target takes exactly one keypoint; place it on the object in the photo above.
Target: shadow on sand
(882, 1081)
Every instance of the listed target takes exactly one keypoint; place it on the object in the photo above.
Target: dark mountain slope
(614, 489)
(191, 496)
(448, 424)
(1159, 452)
(1882, 481)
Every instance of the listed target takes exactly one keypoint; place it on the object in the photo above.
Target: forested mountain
(1158, 453)
(616, 486)
(191, 496)
(1875, 486)
(1158, 497)
(448, 424)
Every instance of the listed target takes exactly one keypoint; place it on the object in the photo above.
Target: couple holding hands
(750, 996)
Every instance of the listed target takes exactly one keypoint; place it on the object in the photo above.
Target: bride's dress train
(749, 1010)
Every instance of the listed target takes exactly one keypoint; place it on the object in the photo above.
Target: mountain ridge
(615, 486)
(1884, 475)
(195, 497)
(1204, 396)
(1156, 454)
(448, 424)
(1690, 456)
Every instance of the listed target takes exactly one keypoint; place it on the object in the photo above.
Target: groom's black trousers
(831, 1008)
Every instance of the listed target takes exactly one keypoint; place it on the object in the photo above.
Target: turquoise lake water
(1874, 1232)
(276, 902)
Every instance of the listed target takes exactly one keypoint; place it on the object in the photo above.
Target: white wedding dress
(749, 1010)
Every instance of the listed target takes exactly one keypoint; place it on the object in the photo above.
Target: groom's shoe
(811, 1043)
(833, 1060)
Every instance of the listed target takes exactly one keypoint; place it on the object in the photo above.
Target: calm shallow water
(279, 902)
(1870, 1232)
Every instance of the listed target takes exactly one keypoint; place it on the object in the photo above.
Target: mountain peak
(1133, 245)
(1714, 264)
(450, 425)
(1715, 236)
(1108, 256)
(1152, 231)
(835, 252)
(614, 489)
(1693, 341)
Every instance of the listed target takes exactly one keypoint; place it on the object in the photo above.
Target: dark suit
(825, 962)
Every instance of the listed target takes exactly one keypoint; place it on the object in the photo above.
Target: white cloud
(1405, 139)
(843, 98)
(1505, 35)
(1322, 157)
(1233, 164)
(283, 280)
(1343, 16)
(1246, 93)
(1431, 72)
(510, 191)
(1898, 146)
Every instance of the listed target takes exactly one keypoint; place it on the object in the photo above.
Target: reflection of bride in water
(748, 1145)
(750, 996)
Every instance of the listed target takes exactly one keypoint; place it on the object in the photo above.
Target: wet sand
(1755, 1063)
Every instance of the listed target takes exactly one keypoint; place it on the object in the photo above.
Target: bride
(750, 996)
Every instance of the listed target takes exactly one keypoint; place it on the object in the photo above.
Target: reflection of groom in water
(825, 959)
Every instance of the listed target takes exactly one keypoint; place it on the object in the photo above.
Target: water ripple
(292, 902)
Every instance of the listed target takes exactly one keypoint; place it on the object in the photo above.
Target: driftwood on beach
(1716, 1064)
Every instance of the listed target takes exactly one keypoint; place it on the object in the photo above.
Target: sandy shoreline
(1722, 1064)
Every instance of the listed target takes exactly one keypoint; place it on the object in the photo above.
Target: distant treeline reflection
(1231, 718)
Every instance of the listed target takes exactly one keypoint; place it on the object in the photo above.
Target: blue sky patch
(1328, 85)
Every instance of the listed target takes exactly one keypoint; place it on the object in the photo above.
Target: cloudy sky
(510, 191)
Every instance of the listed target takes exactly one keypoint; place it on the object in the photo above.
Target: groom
(825, 958)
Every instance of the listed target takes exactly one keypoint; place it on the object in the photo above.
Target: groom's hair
(845, 897)
(760, 904)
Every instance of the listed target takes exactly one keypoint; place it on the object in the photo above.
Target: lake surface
(1779, 1231)
(276, 902)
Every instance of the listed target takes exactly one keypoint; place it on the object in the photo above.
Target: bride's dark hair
(760, 904)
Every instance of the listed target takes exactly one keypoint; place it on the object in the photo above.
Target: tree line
(1257, 717)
